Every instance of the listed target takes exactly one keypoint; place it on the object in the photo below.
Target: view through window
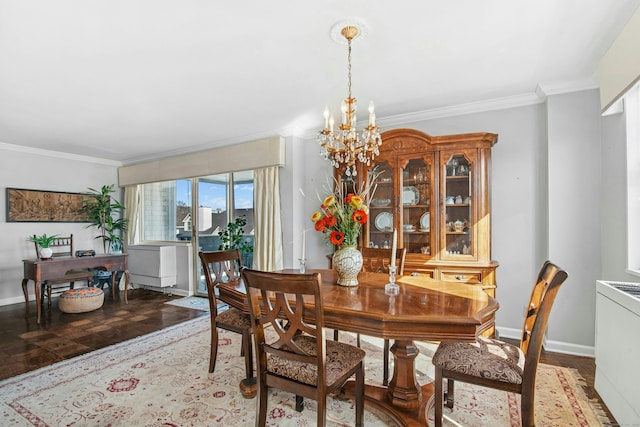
(169, 208)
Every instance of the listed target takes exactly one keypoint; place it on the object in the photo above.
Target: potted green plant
(233, 237)
(44, 244)
(105, 214)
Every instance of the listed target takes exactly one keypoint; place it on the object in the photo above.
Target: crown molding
(58, 154)
(453, 110)
(561, 87)
(461, 109)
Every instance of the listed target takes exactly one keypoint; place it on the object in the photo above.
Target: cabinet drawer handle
(459, 277)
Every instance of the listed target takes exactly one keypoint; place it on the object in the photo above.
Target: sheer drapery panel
(267, 251)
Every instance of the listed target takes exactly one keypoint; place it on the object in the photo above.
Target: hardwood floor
(25, 346)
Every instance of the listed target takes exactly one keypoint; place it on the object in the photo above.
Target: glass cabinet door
(415, 203)
(381, 208)
(457, 191)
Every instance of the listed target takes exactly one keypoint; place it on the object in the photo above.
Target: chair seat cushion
(81, 300)
(485, 358)
(341, 358)
(234, 317)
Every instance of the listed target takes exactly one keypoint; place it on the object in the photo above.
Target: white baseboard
(15, 300)
(551, 345)
(569, 348)
(165, 290)
(511, 333)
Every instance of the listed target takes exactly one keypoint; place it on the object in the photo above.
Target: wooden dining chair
(223, 267)
(62, 246)
(497, 364)
(377, 260)
(296, 357)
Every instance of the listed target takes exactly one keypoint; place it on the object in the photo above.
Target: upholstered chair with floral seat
(496, 364)
(295, 357)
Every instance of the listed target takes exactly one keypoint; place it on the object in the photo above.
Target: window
(216, 195)
(168, 213)
(632, 112)
(166, 210)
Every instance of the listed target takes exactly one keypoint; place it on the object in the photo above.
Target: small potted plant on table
(44, 244)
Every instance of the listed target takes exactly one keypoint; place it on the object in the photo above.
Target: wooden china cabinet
(435, 191)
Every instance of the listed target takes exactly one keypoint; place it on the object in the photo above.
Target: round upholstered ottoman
(81, 300)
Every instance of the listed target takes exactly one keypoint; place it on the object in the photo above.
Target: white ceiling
(129, 80)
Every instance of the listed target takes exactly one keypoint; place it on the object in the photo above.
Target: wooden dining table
(423, 310)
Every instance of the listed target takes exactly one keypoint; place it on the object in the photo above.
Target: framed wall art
(44, 206)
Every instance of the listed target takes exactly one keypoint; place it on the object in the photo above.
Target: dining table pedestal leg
(404, 401)
(403, 390)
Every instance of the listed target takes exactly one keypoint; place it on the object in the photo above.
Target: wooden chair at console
(296, 358)
(496, 364)
(377, 260)
(223, 267)
(62, 246)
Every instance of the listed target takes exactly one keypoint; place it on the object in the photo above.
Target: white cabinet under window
(152, 265)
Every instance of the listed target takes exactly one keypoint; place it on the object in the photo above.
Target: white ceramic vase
(347, 261)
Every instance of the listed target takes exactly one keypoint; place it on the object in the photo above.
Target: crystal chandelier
(346, 145)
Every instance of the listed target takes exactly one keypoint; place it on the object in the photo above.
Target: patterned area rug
(161, 379)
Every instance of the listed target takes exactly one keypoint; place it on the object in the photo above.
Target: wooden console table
(41, 270)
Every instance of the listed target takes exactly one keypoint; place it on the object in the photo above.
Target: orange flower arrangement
(341, 216)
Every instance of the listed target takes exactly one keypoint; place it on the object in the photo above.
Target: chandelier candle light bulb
(372, 115)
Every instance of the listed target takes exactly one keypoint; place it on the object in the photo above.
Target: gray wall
(36, 170)
(574, 137)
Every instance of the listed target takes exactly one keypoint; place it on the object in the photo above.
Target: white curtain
(267, 251)
(132, 203)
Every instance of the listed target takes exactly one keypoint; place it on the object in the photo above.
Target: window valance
(619, 68)
(232, 158)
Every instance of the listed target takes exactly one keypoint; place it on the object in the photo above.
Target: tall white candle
(303, 242)
(394, 246)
